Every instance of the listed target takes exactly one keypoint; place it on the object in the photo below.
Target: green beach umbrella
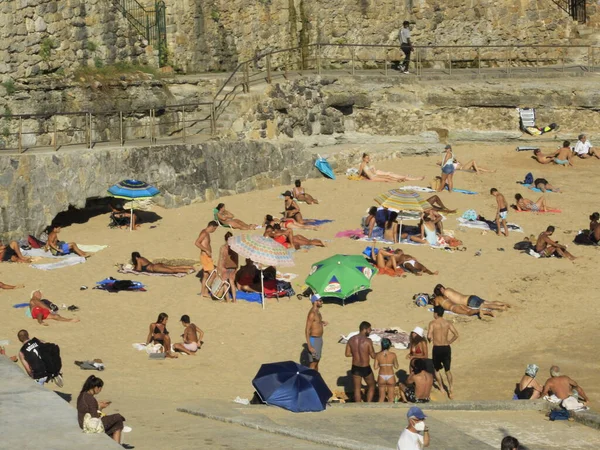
(341, 276)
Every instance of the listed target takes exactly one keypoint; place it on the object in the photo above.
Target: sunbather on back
(142, 264)
(228, 219)
(12, 253)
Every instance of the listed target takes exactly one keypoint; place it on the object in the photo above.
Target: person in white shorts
(584, 148)
(192, 337)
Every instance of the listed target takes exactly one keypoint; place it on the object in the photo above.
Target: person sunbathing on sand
(429, 234)
(300, 194)
(563, 156)
(192, 337)
(288, 223)
(228, 219)
(546, 247)
(541, 157)
(292, 210)
(372, 174)
(142, 264)
(595, 228)
(437, 205)
(296, 240)
(8, 286)
(410, 264)
(471, 301)
(524, 204)
(543, 185)
(60, 248)
(470, 166)
(120, 213)
(40, 312)
(12, 253)
(440, 300)
(158, 334)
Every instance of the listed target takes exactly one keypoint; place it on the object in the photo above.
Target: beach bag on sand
(523, 245)
(559, 414)
(583, 238)
(50, 354)
(92, 425)
(528, 178)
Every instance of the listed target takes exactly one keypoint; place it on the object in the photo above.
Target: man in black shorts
(418, 385)
(442, 333)
(360, 348)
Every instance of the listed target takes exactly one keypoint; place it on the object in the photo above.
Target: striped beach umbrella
(397, 200)
(263, 251)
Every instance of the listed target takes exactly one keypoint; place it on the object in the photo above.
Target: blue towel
(367, 252)
(534, 189)
(317, 222)
(21, 305)
(252, 297)
(461, 191)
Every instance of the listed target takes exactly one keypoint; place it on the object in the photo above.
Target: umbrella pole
(131, 218)
(400, 231)
(262, 287)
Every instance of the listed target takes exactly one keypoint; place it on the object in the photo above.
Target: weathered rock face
(45, 36)
(34, 188)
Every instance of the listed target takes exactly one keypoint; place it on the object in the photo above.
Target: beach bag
(523, 245)
(583, 238)
(470, 214)
(528, 178)
(421, 299)
(51, 306)
(559, 414)
(92, 425)
(50, 354)
(123, 285)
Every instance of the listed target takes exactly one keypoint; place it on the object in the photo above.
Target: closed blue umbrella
(291, 386)
(133, 190)
(324, 167)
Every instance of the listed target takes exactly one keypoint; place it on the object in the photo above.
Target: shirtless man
(546, 247)
(562, 386)
(448, 305)
(442, 333)
(12, 252)
(40, 312)
(314, 332)
(226, 218)
(62, 248)
(360, 349)
(564, 154)
(192, 337)
(541, 157)
(471, 301)
(228, 265)
(501, 211)
(203, 243)
(418, 385)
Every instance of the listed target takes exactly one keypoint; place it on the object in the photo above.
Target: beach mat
(317, 222)
(461, 191)
(541, 212)
(488, 226)
(252, 297)
(66, 262)
(534, 189)
(134, 272)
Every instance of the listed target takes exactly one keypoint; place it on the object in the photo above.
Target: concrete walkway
(376, 427)
(34, 418)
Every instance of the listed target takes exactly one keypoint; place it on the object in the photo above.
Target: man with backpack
(40, 359)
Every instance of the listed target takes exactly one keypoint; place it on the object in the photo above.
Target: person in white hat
(417, 347)
(314, 332)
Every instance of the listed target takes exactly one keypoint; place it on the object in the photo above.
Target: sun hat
(532, 370)
(420, 331)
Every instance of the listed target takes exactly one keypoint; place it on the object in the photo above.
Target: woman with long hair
(417, 347)
(391, 228)
(387, 363)
(142, 264)
(87, 404)
(158, 334)
(371, 173)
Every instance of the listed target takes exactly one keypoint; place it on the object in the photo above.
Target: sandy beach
(554, 318)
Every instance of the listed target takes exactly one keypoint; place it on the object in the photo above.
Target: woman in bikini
(370, 221)
(295, 240)
(595, 228)
(227, 266)
(300, 194)
(391, 228)
(228, 219)
(372, 174)
(410, 264)
(158, 334)
(524, 204)
(142, 264)
(387, 362)
(417, 347)
(288, 223)
(292, 210)
(385, 260)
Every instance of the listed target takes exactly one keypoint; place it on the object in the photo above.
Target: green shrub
(98, 63)
(91, 46)
(46, 47)
(9, 85)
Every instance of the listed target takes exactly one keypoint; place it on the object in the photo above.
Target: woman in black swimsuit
(12, 253)
(543, 185)
(292, 210)
(142, 264)
(595, 228)
(158, 334)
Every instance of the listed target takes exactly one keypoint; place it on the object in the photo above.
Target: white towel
(66, 262)
(91, 248)
(41, 253)
(416, 188)
(484, 226)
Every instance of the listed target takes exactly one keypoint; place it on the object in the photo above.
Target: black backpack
(50, 354)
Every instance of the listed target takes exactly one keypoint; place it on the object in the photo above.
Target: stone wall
(45, 36)
(34, 187)
(216, 34)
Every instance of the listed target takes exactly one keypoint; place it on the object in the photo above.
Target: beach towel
(252, 297)
(21, 305)
(124, 269)
(461, 191)
(398, 337)
(534, 189)
(66, 262)
(286, 276)
(445, 312)
(41, 253)
(487, 225)
(317, 222)
(547, 211)
(350, 233)
(112, 285)
(416, 189)
(91, 248)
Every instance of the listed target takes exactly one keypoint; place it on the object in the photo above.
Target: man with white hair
(40, 312)
(411, 438)
(564, 388)
(584, 148)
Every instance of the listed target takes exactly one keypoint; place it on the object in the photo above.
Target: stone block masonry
(46, 36)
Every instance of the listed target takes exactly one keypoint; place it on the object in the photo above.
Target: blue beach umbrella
(291, 386)
(133, 190)
(324, 167)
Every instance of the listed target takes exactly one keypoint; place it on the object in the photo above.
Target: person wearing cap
(292, 210)
(584, 148)
(192, 337)
(529, 388)
(416, 435)
(417, 347)
(314, 332)
(447, 169)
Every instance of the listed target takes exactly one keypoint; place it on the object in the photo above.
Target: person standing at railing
(405, 45)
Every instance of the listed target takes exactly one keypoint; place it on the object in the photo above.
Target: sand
(553, 319)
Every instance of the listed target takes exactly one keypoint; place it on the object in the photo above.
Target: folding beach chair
(527, 119)
(118, 222)
(216, 217)
(216, 286)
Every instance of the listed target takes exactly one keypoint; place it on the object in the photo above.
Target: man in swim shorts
(563, 156)
(546, 247)
(314, 332)
(40, 312)
(192, 337)
(442, 333)
(501, 211)
(203, 243)
(418, 385)
(470, 301)
(360, 349)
